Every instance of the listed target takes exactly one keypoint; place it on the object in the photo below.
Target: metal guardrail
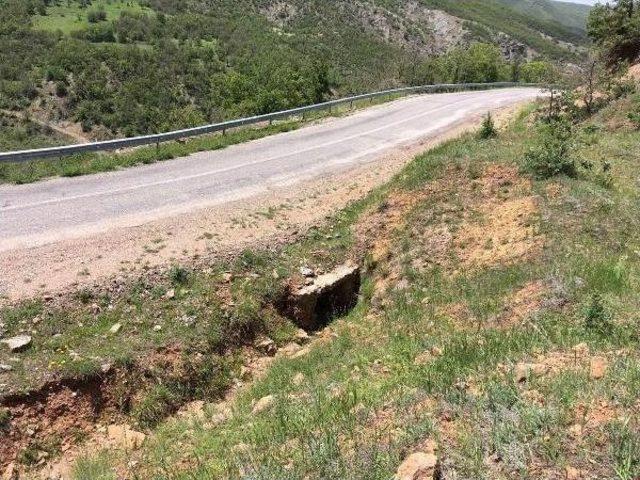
(155, 139)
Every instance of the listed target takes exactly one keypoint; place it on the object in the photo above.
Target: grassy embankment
(498, 319)
(491, 347)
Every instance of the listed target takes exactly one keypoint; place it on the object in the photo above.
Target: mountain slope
(572, 16)
(125, 67)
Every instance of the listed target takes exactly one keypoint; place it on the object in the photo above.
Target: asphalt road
(44, 212)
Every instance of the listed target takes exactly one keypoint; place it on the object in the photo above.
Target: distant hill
(125, 67)
(572, 16)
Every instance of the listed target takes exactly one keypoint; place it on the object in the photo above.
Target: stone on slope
(331, 295)
(18, 343)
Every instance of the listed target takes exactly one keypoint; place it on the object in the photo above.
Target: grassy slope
(22, 134)
(70, 17)
(570, 15)
(430, 351)
(365, 401)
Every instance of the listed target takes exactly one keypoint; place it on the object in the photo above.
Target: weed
(5, 419)
(178, 275)
(84, 295)
(488, 128)
(552, 154)
(625, 448)
(94, 467)
(157, 403)
(597, 317)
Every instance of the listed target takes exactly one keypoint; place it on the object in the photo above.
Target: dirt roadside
(200, 236)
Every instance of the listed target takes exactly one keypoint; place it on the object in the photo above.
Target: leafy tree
(615, 28)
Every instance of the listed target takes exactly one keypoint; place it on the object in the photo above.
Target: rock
(157, 328)
(301, 353)
(581, 349)
(572, 473)
(524, 370)
(10, 473)
(5, 368)
(297, 379)
(575, 430)
(125, 437)
(245, 373)
(115, 328)
(171, 294)
(105, 367)
(597, 367)
(418, 466)
(18, 343)
(290, 349)
(430, 446)
(331, 295)
(267, 346)
(264, 404)
(301, 337)
(307, 272)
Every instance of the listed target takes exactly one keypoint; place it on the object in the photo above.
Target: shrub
(552, 155)
(178, 275)
(5, 419)
(96, 16)
(597, 317)
(488, 128)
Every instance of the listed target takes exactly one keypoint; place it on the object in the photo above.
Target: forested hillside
(125, 67)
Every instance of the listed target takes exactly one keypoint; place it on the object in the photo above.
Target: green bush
(96, 16)
(488, 128)
(597, 317)
(553, 153)
(178, 275)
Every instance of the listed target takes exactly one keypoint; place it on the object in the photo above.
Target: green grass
(70, 16)
(22, 134)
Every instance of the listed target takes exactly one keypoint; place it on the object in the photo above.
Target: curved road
(43, 212)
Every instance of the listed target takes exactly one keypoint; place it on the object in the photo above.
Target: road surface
(48, 211)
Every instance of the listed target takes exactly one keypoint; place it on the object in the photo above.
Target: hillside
(572, 16)
(494, 334)
(126, 67)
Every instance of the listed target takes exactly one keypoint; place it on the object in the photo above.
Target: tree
(615, 29)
